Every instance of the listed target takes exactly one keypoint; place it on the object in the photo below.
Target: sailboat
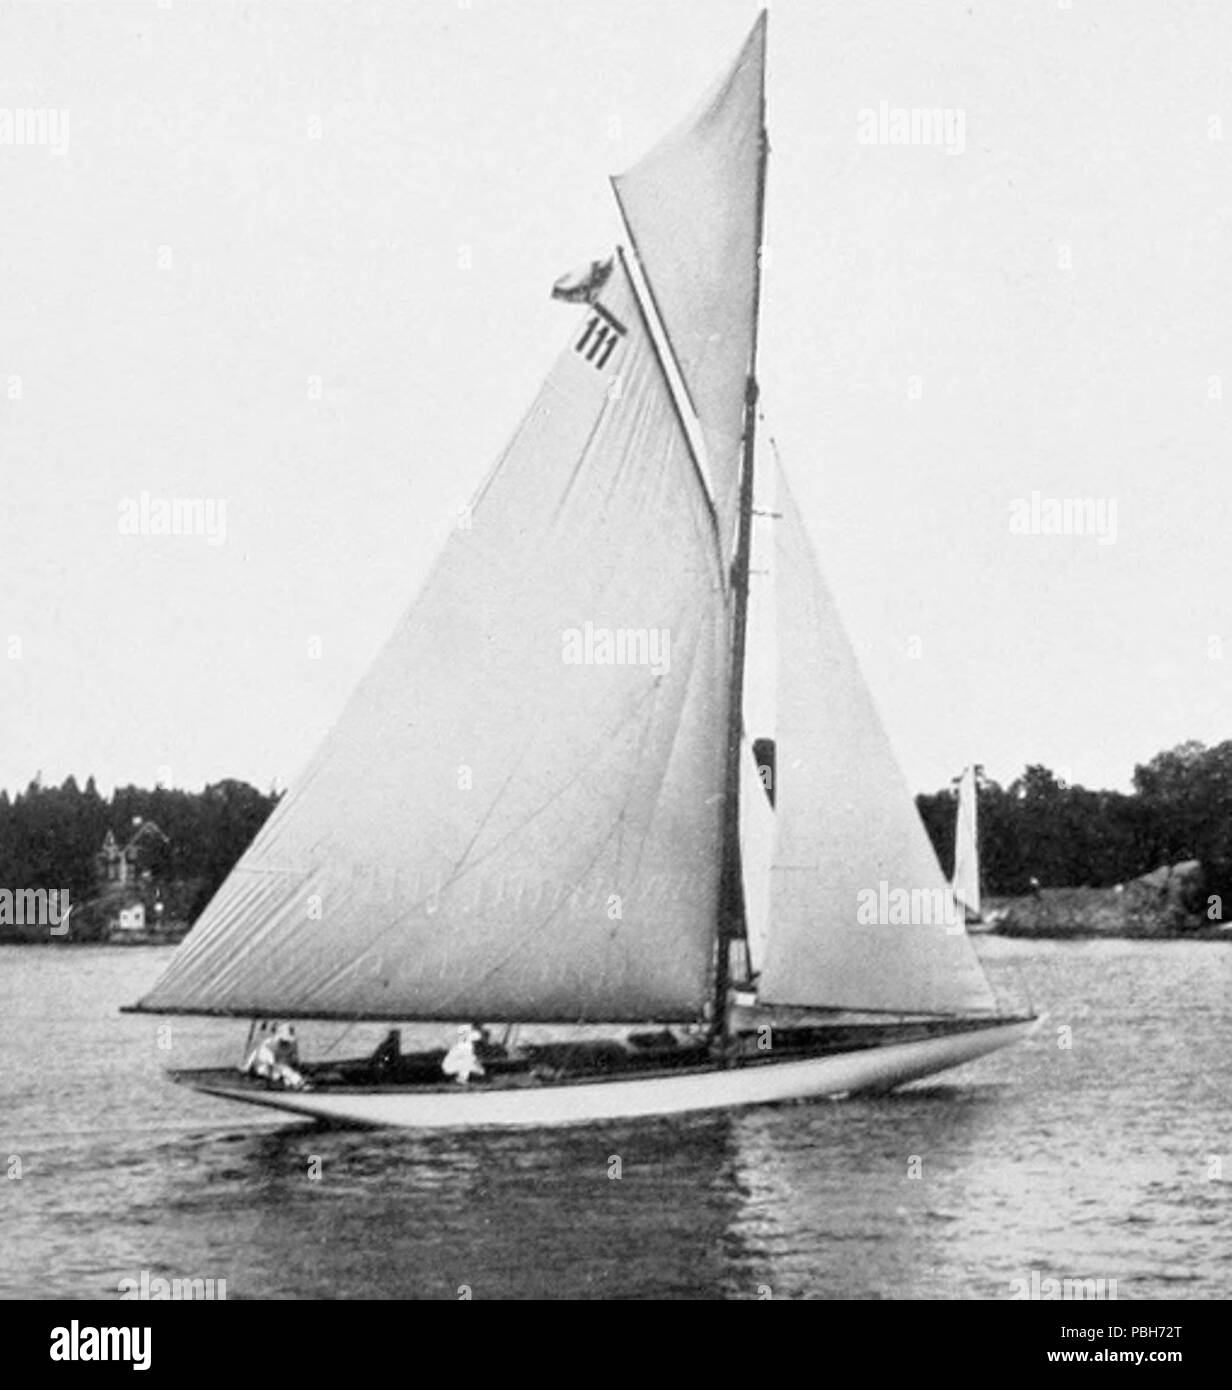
(967, 850)
(540, 806)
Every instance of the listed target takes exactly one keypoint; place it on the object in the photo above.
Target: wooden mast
(732, 923)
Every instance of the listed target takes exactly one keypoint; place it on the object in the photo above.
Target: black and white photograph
(612, 659)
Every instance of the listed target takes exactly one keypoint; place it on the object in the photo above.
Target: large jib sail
(518, 814)
(861, 914)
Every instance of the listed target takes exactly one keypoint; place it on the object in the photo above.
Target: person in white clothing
(275, 1058)
(461, 1061)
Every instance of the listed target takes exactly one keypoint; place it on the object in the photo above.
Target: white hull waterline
(589, 1102)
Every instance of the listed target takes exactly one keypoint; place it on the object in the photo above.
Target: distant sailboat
(967, 848)
(540, 805)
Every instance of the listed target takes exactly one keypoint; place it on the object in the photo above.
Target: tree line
(50, 837)
(1037, 827)
(1068, 836)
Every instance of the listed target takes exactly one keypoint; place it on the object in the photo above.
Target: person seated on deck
(461, 1061)
(276, 1058)
(388, 1051)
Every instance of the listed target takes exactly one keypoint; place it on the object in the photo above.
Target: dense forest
(1037, 827)
(1066, 836)
(186, 842)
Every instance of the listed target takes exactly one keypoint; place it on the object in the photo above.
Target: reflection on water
(1091, 1160)
(505, 1216)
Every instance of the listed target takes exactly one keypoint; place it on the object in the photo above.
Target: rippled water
(1096, 1160)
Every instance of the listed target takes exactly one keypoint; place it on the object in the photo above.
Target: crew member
(276, 1058)
(388, 1051)
(461, 1061)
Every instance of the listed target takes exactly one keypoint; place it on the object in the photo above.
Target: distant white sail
(518, 814)
(966, 845)
(692, 206)
(848, 835)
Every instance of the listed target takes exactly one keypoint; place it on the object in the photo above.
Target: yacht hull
(591, 1101)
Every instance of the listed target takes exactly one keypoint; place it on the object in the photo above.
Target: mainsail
(518, 814)
(847, 827)
(966, 845)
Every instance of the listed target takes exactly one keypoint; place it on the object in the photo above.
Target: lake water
(1109, 1158)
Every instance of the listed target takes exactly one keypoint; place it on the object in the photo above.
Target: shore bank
(1159, 907)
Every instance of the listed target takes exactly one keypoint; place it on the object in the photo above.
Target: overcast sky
(295, 258)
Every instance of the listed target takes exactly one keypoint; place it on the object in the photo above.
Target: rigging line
(340, 1039)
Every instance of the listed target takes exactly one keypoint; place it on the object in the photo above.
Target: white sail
(693, 208)
(850, 845)
(518, 814)
(966, 845)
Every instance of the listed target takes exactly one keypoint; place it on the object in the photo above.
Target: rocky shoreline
(1169, 904)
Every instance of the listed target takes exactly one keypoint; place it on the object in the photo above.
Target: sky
(294, 259)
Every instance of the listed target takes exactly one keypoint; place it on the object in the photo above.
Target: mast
(731, 915)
